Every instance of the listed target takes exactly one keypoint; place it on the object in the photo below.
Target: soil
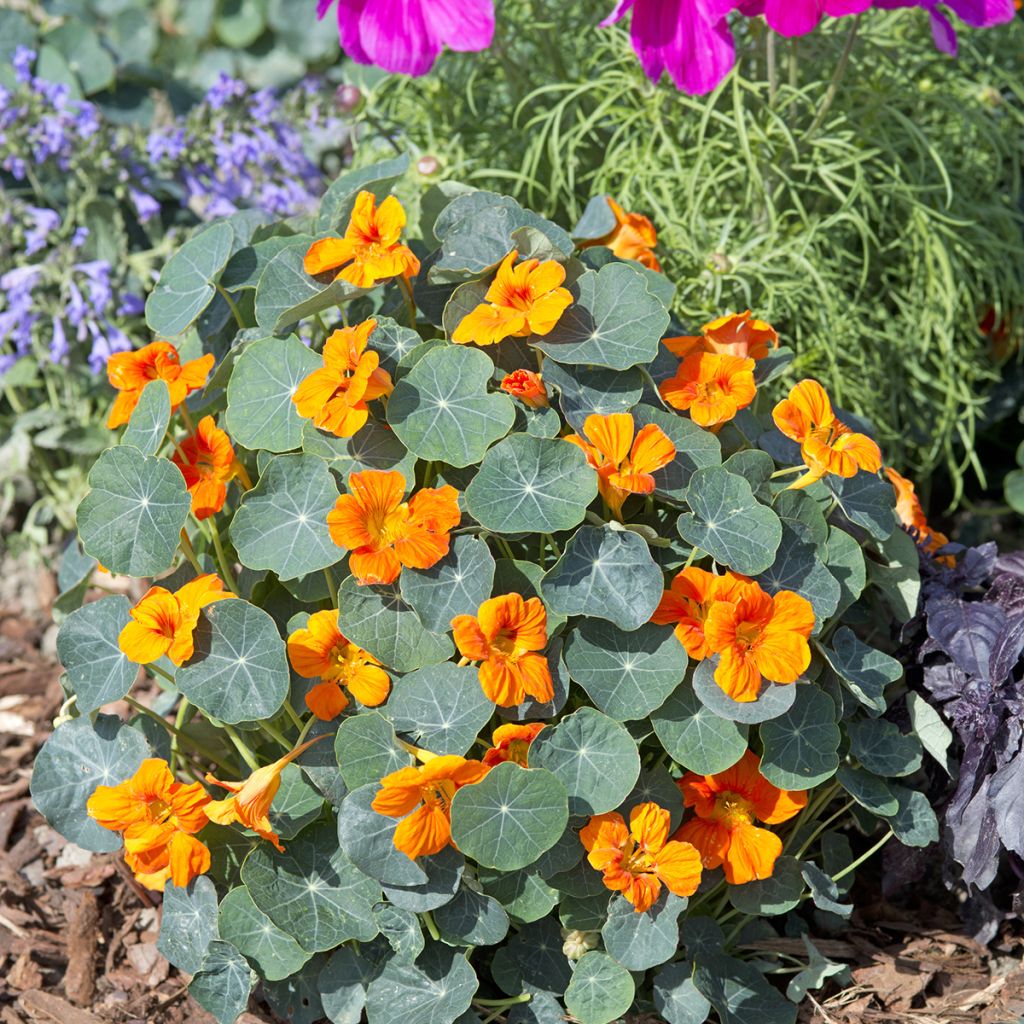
(78, 935)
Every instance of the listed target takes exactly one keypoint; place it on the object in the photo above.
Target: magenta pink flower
(798, 17)
(405, 36)
(976, 13)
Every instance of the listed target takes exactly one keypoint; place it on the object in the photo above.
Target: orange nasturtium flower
(638, 860)
(159, 817)
(624, 465)
(911, 515)
(511, 742)
(735, 334)
(528, 387)
(371, 250)
(505, 636)
(758, 636)
(712, 387)
(163, 623)
(384, 533)
(130, 372)
(321, 651)
(334, 397)
(826, 444)
(687, 602)
(633, 237)
(207, 462)
(523, 300)
(250, 800)
(426, 790)
(727, 804)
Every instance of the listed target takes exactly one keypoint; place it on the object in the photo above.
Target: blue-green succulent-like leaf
(457, 585)
(87, 646)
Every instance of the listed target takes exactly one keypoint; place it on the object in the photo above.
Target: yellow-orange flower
(163, 623)
(512, 743)
(320, 651)
(158, 816)
(130, 372)
(250, 800)
(384, 533)
(633, 237)
(207, 462)
(638, 860)
(911, 515)
(687, 602)
(735, 334)
(624, 465)
(504, 636)
(528, 387)
(370, 250)
(712, 387)
(426, 790)
(758, 636)
(727, 805)
(523, 300)
(335, 396)
(826, 444)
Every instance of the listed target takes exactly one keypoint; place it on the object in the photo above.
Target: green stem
(410, 301)
(821, 828)
(222, 560)
(837, 77)
(291, 713)
(231, 305)
(305, 730)
(244, 752)
(331, 588)
(179, 723)
(150, 713)
(864, 856)
(503, 544)
(428, 920)
(512, 1001)
(553, 544)
(151, 667)
(275, 734)
(786, 471)
(189, 552)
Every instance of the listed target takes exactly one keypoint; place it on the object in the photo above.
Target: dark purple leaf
(944, 681)
(967, 632)
(1005, 791)
(1007, 650)
(976, 839)
(1012, 563)
(1007, 591)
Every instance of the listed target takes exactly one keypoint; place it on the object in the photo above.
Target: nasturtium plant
(516, 652)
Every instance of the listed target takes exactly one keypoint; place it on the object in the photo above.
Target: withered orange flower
(163, 623)
(712, 387)
(505, 636)
(727, 805)
(638, 860)
(633, 237)
(207, 462)
(320, 651)
(250, 800)
(624, 465)
(511, 742)
(384, 533)
(370, 250)
(335, 396)
(735, 334)
(130, 372)
(425, 790)
(528, 387)
(826, 444)
(758, 636)
(158, 816)
(911, 515)
(687, 602)
(523, 300)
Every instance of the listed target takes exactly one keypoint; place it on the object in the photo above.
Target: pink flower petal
(396, 36)
(461, 24)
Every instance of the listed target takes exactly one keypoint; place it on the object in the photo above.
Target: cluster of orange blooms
(755, 635)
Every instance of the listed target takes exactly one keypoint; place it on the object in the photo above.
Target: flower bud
(428, 165)
(577, 942)
(349, 98)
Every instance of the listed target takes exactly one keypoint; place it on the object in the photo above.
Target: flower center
(390, 526)
(639, 862)
(439, 794)
(709, 391)
(345, 658)
(160, 810)
(733, 810)
(748, 634)
(518, 751)
(505, 642)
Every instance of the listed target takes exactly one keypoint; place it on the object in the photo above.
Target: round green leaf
(914, 823)
(296, 803)
(223, 982)
(366, 749)
(614, 321)
(402, 930)
(251, 932)
(866, 672)
(605, 573)
(373, 446)
(441, 410)
(78, 757)
(509, 818)
(695, 736)
(379, 621)
(261, 413)
(867, 500)
(801, 746)
(441, 708)
(729, 523)
(281, 524)
(824, 891)
(436, 989)
(148, 423)
(240, 23)
(457, 585)
(131, 519)
(881, 747)
(798, 568)
(531, 485)
(185, 287)
(472, 919)
(627, 675)
(239, 672)
(87, 647)
(600, 990)
(740, 993)
(767, 897)
(773, 700)
(696, 448)
(845, 561)
(85, 54)
(655, 785)
(868, 790)
(342, 984)
(593, 390)
(296, 998)
(676, 997)
(537, 957)
(524, 894)
(593, 756)
(188, 923)
(312, 891)
(640, 941)
(444, 875)
(338, 201)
